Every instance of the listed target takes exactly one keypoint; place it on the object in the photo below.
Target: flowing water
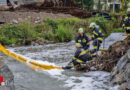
(28, 79)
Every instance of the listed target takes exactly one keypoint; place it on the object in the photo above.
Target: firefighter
(126, 22)
(80, 57)
(97, 36)
(83, 40)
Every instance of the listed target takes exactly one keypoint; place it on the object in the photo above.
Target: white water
(58, 53)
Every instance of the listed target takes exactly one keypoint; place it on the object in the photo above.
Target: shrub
(64, 33)
(118, 30)
(61, 30)
(14, 34)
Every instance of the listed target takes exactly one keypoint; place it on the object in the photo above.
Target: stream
(57, 54)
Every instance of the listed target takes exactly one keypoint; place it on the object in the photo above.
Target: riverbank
(52, 30)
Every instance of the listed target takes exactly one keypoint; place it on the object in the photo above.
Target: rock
(41, 41)
(128, 84)
(122, 62)
(121, 73)
(14, 21)
(92, 68)
(128, 55)
(38, 20)
(12, 45)
(123, 86)
(8, 76)
(20, 19)
(26, 42)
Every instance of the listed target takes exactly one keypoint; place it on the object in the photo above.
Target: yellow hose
(32, 64)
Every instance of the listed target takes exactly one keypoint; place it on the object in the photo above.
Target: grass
(61, 30)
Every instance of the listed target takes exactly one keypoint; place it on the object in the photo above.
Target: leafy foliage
(61, 30)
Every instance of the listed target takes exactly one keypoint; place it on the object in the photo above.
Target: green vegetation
(107, 26)
(99, 5)
(61, 30)
(88, 4)
(14, 34)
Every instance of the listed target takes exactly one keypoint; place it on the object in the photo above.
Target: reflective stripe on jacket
(83, 40)
(97, 34)
(81, 55)
(126, 22)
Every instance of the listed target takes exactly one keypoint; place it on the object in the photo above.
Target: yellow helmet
(81, 30)
(78, 45)
(92, 25)
(128, 10)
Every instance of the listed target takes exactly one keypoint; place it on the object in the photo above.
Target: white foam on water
(44, 62)
(91, 81)
(55, 72)
(77, 83)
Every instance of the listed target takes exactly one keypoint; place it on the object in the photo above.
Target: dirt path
(16, 16)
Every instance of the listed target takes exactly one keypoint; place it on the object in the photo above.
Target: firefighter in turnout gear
(126, 22)
(80, 57)
(82, 39)
(97, 36)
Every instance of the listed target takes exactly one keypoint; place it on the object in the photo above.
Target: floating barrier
(30, 63)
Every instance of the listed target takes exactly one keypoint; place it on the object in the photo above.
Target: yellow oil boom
(31, 63)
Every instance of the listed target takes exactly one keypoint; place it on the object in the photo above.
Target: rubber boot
(67, 67)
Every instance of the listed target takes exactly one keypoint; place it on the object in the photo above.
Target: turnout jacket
(83, 40)
(97, 34)
(126, 22)
(81, 55)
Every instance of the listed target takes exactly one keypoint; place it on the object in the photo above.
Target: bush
(64, 33)
(61, 30)
(118, 30)
(48, 34)
(14, 34)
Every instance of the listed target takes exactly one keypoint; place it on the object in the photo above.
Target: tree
(105, 2)
(99, 5)
(87, 4)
